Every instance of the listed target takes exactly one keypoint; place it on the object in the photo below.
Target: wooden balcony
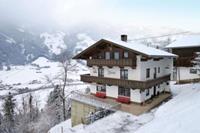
(184, 62)
(125, 83)
(112, 62)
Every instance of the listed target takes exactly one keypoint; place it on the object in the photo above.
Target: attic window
(125, 54)
(107, 55)
(116, 55)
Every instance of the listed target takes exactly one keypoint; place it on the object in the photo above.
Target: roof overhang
(102, 41)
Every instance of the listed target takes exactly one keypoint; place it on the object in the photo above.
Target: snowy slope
(179, 115)
(54, 42)
(32, 76)
(28, 73)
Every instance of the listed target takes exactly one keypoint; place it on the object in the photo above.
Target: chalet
(187, 48)
(126, 72)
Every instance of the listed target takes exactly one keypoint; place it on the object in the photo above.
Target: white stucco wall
(166, 67)
(113, 72)
(93, 88)
(185, 73)
(136, 96)
(112, 91)
(139, 73)
(93, 71)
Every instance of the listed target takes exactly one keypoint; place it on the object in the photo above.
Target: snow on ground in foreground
(179, 115)
(117, 122)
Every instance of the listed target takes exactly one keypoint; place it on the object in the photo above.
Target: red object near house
(123, 99)
(100, 94)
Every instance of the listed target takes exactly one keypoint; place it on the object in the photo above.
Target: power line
(152, 37)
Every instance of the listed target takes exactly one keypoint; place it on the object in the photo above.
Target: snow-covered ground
(32, 77)
(178, 115)
(24, 75)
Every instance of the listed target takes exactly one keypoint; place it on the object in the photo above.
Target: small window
(101, 88)
(124, 73)
(100, 56)
(116, 55)
(125, 54)
(193, 71)
(158, 69)
(107, 55)
(147, 92)
(147, 72)
(100, 72)
(124, 91)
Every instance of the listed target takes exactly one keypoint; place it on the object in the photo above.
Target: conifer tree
(9, 114)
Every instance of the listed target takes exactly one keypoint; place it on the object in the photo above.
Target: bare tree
(67, 67)
(63, 80)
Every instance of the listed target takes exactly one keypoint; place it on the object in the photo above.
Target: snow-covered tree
(27, 116)
(63, 80)
(9, 114)
(54, 105)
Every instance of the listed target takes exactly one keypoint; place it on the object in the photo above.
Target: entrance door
(155, 74)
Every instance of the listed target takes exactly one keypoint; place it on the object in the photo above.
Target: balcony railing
(184, 62)
(112, 62)
(125, 83)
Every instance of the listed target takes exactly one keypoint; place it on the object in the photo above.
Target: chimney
(124, 38)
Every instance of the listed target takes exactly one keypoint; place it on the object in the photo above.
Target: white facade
(183, 73)
(163, 67)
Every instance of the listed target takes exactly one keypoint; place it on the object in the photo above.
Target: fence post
(61, 129)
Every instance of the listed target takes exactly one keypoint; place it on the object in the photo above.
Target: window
(100, 72)
(116, 55)
(123, 73)
(107, 55)
(101, 88)
(125, 54)
(147, 72)
(158, 69)
(147, 92)
(124, 91)
(193, 71)
(100, 56)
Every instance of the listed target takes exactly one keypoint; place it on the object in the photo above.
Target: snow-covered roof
(185, 41)
(134, 46)
(141, 48)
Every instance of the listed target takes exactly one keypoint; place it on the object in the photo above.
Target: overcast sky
(182, 14)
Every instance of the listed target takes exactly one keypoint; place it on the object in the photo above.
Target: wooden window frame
(148, 73)
(123, 73)
(115, 56)
(101, 88)
(122, 91)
